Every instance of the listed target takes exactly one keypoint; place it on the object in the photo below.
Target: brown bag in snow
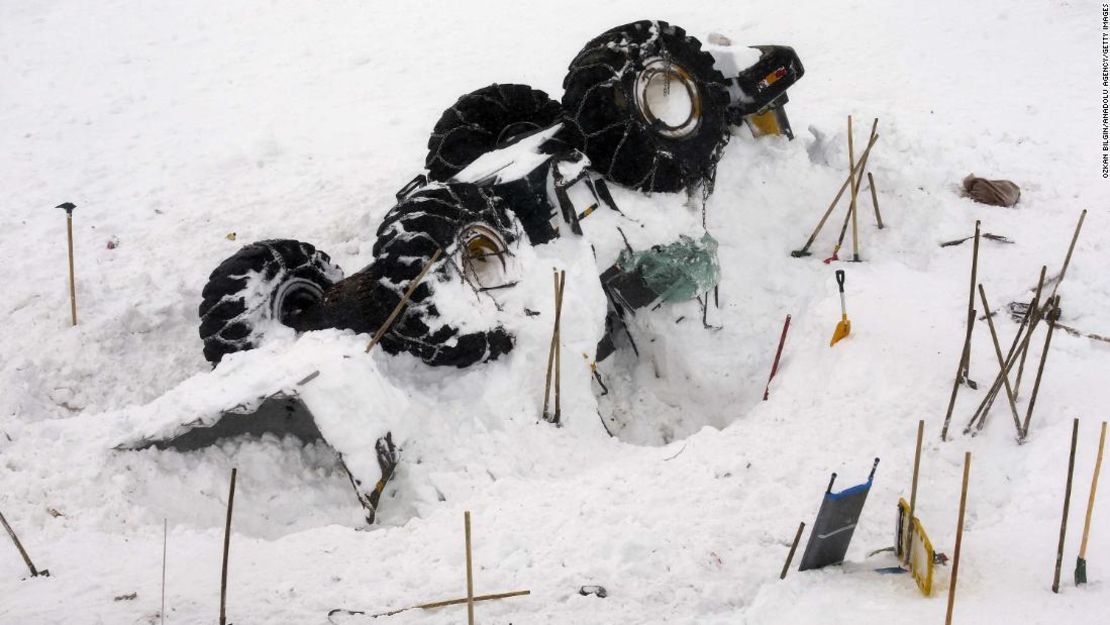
(993, 192)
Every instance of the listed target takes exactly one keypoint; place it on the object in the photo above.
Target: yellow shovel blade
(843, 329)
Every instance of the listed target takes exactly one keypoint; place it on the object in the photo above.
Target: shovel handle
(840, 279)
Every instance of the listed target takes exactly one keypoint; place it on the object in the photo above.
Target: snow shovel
(844, 328)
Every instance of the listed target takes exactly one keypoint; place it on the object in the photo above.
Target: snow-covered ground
(171, 125)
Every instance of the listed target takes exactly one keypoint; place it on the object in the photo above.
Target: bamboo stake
(956, 380)
(965, 362)
(559, 348)
(1027, 323)
(1081, 561)
(1053, 315)
(793, 548)
(68, 208)
(859, 167)
(553, 360)
(778, 354)
(165, 540)
(227, 545)
(469, 572)
(404, 300)
(19, 547)
(959, 541)
(855, 193)
(1067, 502)
(874, 200)
(913, 489)
(1035, 312)
(1001, 363)
(1071, 248)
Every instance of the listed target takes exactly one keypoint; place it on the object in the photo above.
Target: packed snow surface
(184, 130)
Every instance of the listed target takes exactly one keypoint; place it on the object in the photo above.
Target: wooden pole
(1053, 315)
(1081, 562)
(165, 541)
(913, 489)
(1071, 248)
(72, 279)
(793, 548)
(778, 354)
(874, 200)
(227, 545)
(559, 347)
(404, 300)
(1034, 316)
(957, 379)
(965, 362)
(553, 355)
(1001, 362)
(855, 192)
(469, 572)
(19, 546)
(1067, 502)
(847, 181)
(959, 541)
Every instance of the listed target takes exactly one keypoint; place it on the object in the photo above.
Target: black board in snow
(836, 522)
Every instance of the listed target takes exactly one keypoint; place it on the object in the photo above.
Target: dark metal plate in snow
(836, 522)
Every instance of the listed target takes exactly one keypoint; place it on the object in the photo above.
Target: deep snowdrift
(172, 127)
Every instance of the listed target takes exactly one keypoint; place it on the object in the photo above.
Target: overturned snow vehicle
(645, 106)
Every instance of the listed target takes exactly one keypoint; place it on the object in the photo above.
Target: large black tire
(265, 282)
(606, 99)
(437, 217)
(485, 120)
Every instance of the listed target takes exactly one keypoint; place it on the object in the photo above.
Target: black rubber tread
(232, 310)
(485, 120)
(599, 100)
(431, 219)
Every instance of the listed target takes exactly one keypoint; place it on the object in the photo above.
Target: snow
(172, 126)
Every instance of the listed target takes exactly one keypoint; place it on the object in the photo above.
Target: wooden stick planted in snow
(165, 541)
(553, 360)
(778, 354)
(68, 208)
(559, 349)
(469, 572)
(855, 191)
(959, 541)
(958, 378)
(965, 362)
(404, 300)
(793, 548)
(1033, 316)
(913, 489)
(19, 546)
(1053, 315)
(227, 545)
(874, 200)
(1081, 561)
(1067, 503)
(847, 181)
(1001, 363)
(1071, 248)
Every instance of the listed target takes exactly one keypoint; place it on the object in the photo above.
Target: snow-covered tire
(437, 217)
(485, 120)
(265, 282)
(650, 107)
